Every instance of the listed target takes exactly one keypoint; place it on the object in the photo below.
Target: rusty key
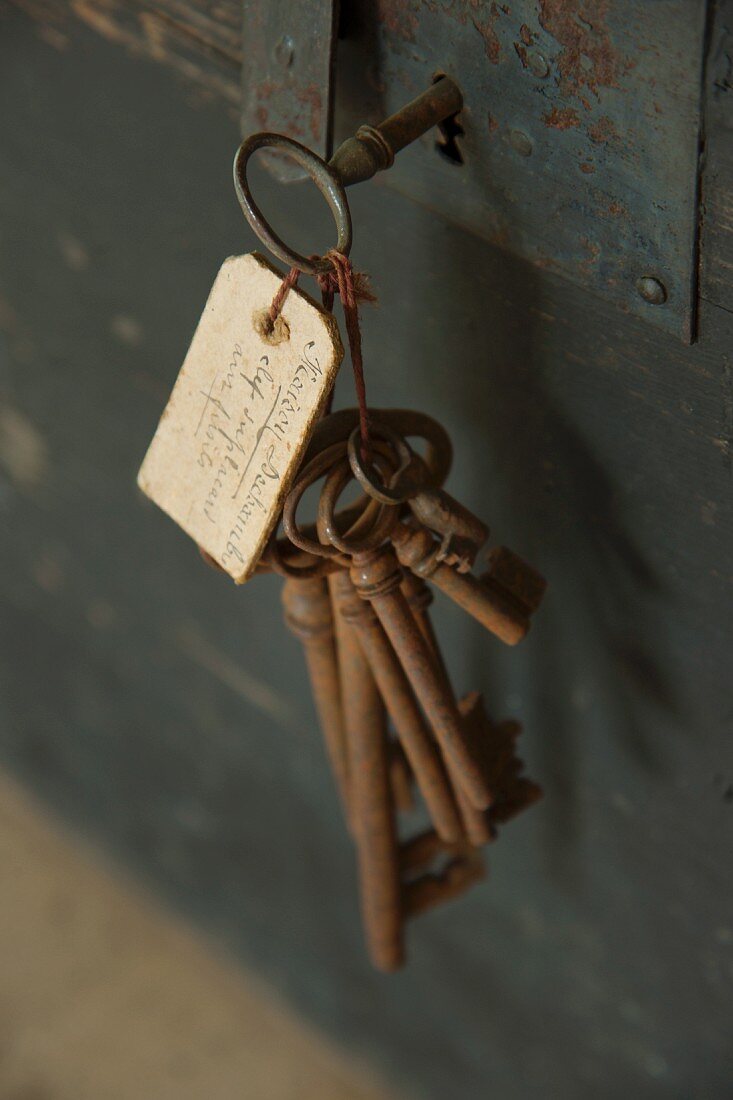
(371, 800)
(510, 575)
(495, 608)
(408, 721)
(401, 778)
(377, 575)
(419, 597)
(307, 607)
(462, 534)
(426, 884)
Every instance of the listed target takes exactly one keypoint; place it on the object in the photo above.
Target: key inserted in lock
(370, 150)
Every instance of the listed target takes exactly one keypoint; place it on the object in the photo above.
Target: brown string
(279, 300)
(353, 288)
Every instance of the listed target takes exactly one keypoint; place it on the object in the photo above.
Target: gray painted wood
(166, 713)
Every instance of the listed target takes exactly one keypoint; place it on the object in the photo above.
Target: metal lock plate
(581, 131)
(287, 75)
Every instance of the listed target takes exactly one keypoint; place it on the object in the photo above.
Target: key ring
(409, 478)
(338, 426)
(325, 179)
(275, 559)
(369, 519)
(386, 519)
(308, 476)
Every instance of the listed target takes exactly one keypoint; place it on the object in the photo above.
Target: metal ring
(351, 543)
(308, 476)
(338, 426)
(325, 179)
(409, 477)
(275, 560)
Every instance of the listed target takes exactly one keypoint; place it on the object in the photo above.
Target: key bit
(513, 792)
(462, 533)
(421, 851)
(497, 610)
(431, 890)
(429, 885)
(510, 575)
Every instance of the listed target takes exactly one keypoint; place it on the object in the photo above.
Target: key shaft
(371, 800)
(377, 577)
(419, 597)
(308, 614)
(402, 707)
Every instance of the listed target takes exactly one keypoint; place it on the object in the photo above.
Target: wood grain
(200, 39)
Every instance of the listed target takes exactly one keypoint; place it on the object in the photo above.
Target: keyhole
(447, 144)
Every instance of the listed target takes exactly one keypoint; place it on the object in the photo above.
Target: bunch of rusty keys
(355, 593)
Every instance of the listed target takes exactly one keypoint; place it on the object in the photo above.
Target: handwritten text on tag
(241, 414)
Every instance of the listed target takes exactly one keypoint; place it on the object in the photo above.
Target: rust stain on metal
(493, 124)
(613, 209)
(593, 251)
(472, 11)
(525, 34)
(587, 59)
(399, 17)
(602, 131)
(561, 118)
(588, 167)
(487, 30)
(521, 53)
(311, 97)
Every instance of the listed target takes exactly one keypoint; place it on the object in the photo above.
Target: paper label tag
(241, 413)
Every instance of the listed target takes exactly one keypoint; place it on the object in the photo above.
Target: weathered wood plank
(200, 39)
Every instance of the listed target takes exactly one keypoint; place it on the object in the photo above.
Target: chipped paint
(602, 131)
(592, 251)
(311, 98)
(588, 59)
(399, 17)
(487, 30)
(561, 118)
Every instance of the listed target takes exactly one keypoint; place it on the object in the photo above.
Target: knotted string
(352, 288)
(279, 300)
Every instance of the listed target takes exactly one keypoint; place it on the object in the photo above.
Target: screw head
(284, 51)
(538, 65)
(652, 290)
(521, 143)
